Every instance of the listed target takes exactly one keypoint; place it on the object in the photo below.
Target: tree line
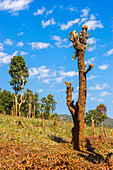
(26, 103)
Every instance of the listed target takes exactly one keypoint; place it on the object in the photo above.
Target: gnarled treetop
(79, 42)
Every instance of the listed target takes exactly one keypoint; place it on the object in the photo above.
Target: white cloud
(93, 24)
(90, 61)
(92, 77)
(1, 46)
(41, 72)
(14, 5)
(8, 42)
(100, 100)
(98, 87)
(59, 79)
(47, 23)
(40, 90)
(40, 11)
(6, 58)
(92, 48)
(49, 12)
(68, 74)
(93, 98)
(61, 43)
(21, 33)
(105, 93)
(58, 38)
(39, 45)
(103, 67)
(47, 81)
(82, 20)
(20, 44)
(75, 95)
(23, 53)
(49, 74)
(85, 12)
(71, 8)
(91, 41)
(69, 24)
(92, 17)
(61, 90)
(110, 52)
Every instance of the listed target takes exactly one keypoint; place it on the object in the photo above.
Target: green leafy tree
(6, 102)
(48, 105)
(18, 72)
(89, 114)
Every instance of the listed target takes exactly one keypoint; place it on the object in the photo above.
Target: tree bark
(15, 105)
(78, 110)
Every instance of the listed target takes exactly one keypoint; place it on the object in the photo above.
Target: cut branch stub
(69, 91)
(90, 67)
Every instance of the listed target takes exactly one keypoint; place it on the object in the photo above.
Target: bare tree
(78, 110)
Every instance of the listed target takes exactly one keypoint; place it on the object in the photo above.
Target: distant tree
(51, 102)
(6, 102)
(35, 105)
(89, 114)
(18, 69)
(48, 105)
(101, 109)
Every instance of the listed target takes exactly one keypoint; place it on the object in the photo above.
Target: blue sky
(39, 31)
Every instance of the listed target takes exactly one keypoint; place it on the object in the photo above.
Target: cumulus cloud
(68, 74)
(58, 38)
(92, 17)
(93, 24)
(8, 42)
(98, 87)
(93, 98)
(105, 93)
(49, 74)
(6, 58)
(90, 61)
(90, 49)
(91, 41)
(40, 11)
(1, 46)
(110, 52)
(39, 45)
(61, 43)
(47, 23)
(23, 53)
(20, 33)
(14, 5)
(103, 67)
(20, 44)
(85, 12)
(71, 8)
(41, 72)
(91, 77)
(69, 24)
(40, 90)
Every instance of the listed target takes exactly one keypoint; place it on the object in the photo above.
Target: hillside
(109, 122)
(37, 147)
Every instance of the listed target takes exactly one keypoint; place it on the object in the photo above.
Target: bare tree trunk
(42, 119)
(4, 113)
(78, 110)
(29, 110)
(34, 111)
(15, 105)
(12, 112)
